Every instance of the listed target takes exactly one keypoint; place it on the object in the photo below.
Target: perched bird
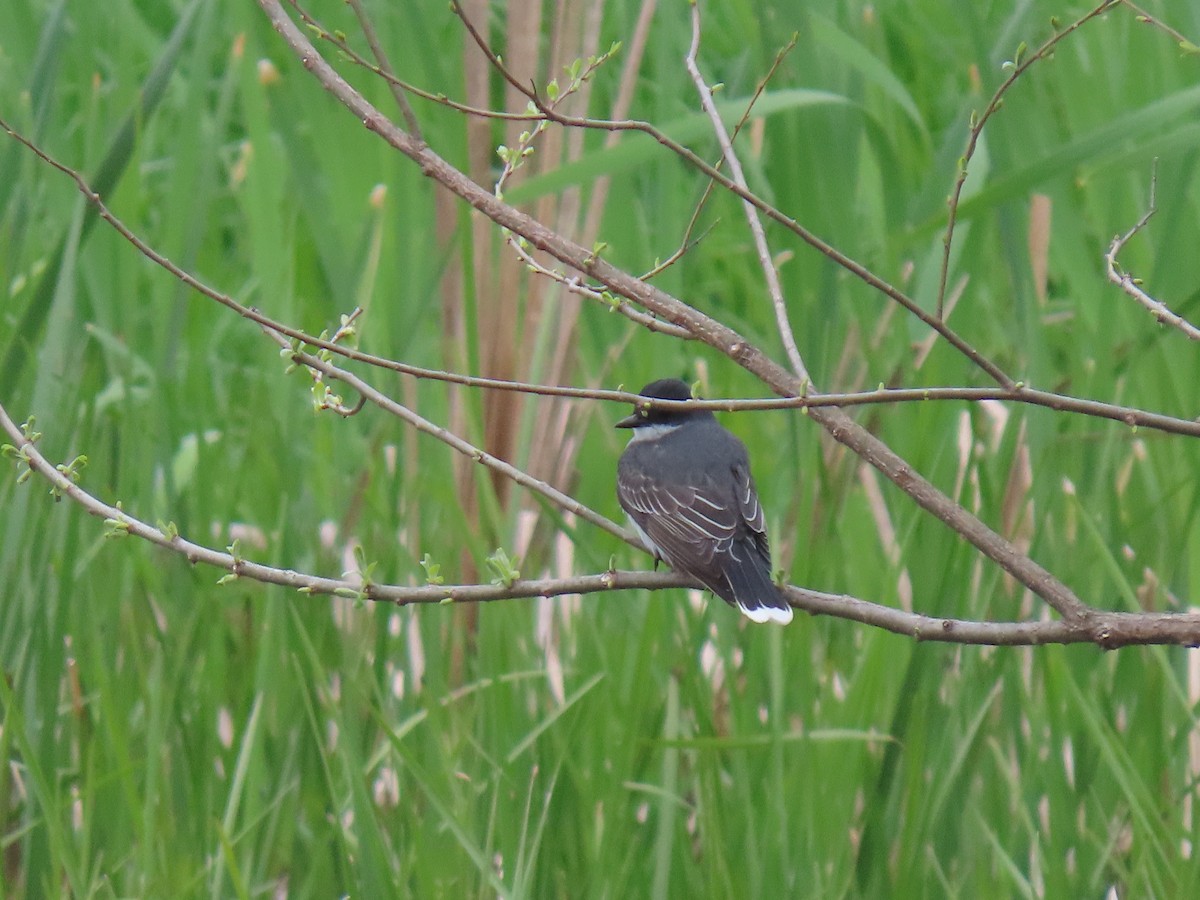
(685, 483)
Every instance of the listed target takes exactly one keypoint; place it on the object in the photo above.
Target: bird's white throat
(650, 432)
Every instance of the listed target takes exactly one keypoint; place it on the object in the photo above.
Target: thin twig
(395, 82)
(774, 289)
(1131, 285)
(688, 241)
(385, 67)
(573, 284)
(459, 444)
(1144, 17)
(709, 186)
(1017, 67)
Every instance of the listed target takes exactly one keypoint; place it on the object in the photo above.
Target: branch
(384, 67)
(1145, 18)
(774, 288)
(1108, 630)
(1127, 415)
(1018, 66)
(1132, 286)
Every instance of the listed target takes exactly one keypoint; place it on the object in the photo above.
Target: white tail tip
(761, 614)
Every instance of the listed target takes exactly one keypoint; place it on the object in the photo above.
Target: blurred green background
(163, 736)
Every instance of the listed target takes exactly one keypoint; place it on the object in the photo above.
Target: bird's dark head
(663, 389)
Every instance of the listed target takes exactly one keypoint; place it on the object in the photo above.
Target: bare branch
(1017, 67)
(688, 242)
(1109, 630)
(1131, 285)
(1145, 18)
(385, 67)
(786, 334)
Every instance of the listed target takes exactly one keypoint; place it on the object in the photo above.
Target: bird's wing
(686, 522)
(749, 507)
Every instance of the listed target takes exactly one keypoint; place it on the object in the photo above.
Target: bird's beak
(630, 421)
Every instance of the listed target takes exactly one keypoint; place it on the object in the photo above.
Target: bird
(685, 483)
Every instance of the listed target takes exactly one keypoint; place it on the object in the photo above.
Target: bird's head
(664, 389)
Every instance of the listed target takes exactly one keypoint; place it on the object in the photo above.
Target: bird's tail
(751, 589)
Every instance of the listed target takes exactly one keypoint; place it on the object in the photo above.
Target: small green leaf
(504, 568)
(116, 528)
(365, 569)
(74, 467)
(433, 571)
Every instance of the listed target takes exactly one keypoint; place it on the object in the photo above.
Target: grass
(164, 736)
